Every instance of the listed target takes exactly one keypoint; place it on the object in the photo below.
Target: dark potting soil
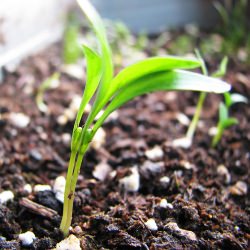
(207, 189)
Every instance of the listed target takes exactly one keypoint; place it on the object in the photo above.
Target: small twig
(38, 208)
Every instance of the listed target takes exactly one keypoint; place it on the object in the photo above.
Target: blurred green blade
(170, 80)
(71, 48)
(229, 122)
(94, 72)
(223, 113)
(97, 24)
(221, 71)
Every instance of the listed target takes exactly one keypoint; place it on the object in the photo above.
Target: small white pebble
(59, 187)
(6, 196)
(75, 103)
(151, 225)
(101, 171)
(27, 188)
(155, 153)
(165, 179)
(164, 204)
(62, 120)
(212, 131)
(70, 243)
(184, 142)
(99, 139)
(59, 184)
(183, 119)
(27, 238)
(19, 120)
(131, 183)
(39, 188)
(66, 138)
(73, 70)
(70, 114)
(60, 197)
(242, 55)
(113, 174)
(174, 227)
(170, 96)
(187, 164)
(87, 108)
(223, 171)
(113, 116)
(240, 188)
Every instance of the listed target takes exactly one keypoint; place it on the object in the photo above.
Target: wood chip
(38, 208)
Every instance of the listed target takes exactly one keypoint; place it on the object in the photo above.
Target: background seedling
(71, 47)
(50, 83)
(149, 75)
(224, 120)
(235, 25)
(219, 73)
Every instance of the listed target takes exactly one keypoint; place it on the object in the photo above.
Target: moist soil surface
(207, 189)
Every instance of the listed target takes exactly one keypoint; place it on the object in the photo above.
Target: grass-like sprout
(50, 83)
(149, 75)
(221, 71)
(71, 47)
(224, 120)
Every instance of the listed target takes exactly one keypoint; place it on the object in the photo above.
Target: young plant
(224, 120)
(235, 24)
(219, 73)
(149, 75)
(71, 47)
(50, 83)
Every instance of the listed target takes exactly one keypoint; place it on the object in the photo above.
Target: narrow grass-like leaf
(222, 69)
(152, 65)
(94, 73)
(230, 99)
(97, 24)
(223, 112)
(230, 122)
(71, 47)
(170, 80)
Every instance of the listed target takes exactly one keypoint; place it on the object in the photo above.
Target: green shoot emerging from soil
(219, 73)
(50, 83)
(224, 120)
(149, 75)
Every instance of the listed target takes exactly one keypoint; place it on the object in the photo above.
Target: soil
(211, 205)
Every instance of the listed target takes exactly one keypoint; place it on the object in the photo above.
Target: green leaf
(94, 73)
(223, 113)
(149, 66)
(222, 69)
(97, 24)
(228, 99)
(71, 47)
(231, 99)
(170, 80)
(229, 122)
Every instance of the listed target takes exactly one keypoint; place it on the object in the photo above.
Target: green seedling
(224, 120)
(219, 73)
(50, 83)
(71, 48)
(234, 28)
(109, 93)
